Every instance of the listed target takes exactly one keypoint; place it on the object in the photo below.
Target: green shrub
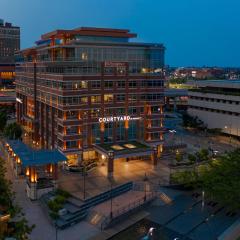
(13, 131)
(60, 199)
(179, 157)
(187, 178)
(203, 155)
(54, 215)
(54, 206)
(192, 158)
(63, 193)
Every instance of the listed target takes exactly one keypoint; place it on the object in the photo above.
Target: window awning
(32, 157)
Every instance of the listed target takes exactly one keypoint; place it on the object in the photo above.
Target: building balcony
(69, 136)
(66, 122)
(70, 150)
(29, 118)
(155, 129)
(155, 116)
(27, 129)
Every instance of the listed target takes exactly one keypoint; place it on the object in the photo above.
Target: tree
(178, 80)
(3, 120)
(18, 228)
(179, 157)
(192, 158)
(220, 179)
(187, 178)
(21, 229)
(203, 155)
(13, 131)
(193, 122)
(5, 188)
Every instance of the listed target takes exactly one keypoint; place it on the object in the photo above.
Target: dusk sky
(195, 32)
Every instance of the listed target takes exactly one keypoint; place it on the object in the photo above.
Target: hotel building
(216, 103)
(93, 94)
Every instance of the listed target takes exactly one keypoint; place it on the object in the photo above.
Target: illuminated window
(108, 97)
(84, 84)
(84, 56)
(84, 99)
(96, 99)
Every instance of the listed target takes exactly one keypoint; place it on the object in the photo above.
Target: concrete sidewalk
(34, 214)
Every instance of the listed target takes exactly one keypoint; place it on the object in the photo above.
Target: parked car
(74, 168)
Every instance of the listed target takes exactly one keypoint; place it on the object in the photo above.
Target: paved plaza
(97, 181)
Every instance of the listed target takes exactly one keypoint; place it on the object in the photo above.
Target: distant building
(198, 73)
(9, 42)
(7, 75)
(217, 104)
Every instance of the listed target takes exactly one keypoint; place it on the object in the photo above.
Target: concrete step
(95, 218)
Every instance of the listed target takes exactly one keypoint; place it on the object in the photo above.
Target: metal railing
(127, 209)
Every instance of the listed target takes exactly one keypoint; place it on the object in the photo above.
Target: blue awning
(33, 157)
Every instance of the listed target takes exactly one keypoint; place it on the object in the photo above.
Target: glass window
(120, 97)
(132, 130)
(120, 131)
(132, 84)
(96, 99)
(120, 111)
(132, 110)
(108, 97)
(132, 97)
(108, 132)
(72, 114)
(71, 144)
(95, 84)
(108, 84)
(120, 84)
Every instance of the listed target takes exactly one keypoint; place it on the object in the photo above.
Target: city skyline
(186, 28)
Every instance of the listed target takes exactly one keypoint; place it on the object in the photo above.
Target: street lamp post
(145, 190)
(56, 231)
(173, 133)
(203, 199)
(84, 181)
(230, 132)
(111, 201)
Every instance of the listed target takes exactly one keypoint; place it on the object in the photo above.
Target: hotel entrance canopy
(124, 149)
(31, 157)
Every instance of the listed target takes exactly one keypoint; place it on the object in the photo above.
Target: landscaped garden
(219, 179)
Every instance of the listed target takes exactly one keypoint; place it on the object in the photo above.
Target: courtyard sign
(117, 119)
(114, 64)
